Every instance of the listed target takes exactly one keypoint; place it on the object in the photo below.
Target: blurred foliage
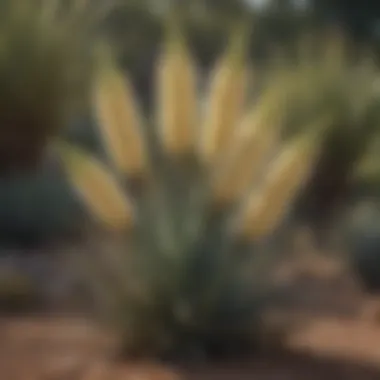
(193, 268)
(46, 65)
(358, 18)
(36, 209)
(362, 241)
(61, 47)
(45, 68)
(158, 300)
(332, 81)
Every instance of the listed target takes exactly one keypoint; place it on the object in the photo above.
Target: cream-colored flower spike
(119, 119)
(256, 138)
(246, 162)
(176, 97)
(97, 187)
(266, 206)
(225, 102)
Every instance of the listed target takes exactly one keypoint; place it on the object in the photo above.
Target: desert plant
(45, 67)
(328, 79)
(193, 200)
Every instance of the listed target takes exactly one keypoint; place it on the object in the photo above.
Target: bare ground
(336, 334)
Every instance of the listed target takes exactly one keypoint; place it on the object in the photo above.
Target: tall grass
(212, 186)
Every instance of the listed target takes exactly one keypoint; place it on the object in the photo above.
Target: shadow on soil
(285, 366)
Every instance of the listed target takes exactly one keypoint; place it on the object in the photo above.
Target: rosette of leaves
(45, 67)
(191, 200)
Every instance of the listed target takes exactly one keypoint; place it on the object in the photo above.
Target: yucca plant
(194, 200)
(45, 67)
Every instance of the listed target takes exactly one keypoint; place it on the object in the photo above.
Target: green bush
(45, 68)
(329, 81)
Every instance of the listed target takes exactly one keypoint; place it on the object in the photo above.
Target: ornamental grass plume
(225, 103)
(94, 182)
(119, 118)
(182, 244)
(176, 97)
(267, 206)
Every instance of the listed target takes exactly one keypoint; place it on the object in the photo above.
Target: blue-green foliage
(363, 243)
(38, 207)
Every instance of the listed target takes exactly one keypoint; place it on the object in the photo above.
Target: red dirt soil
(336, 336)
